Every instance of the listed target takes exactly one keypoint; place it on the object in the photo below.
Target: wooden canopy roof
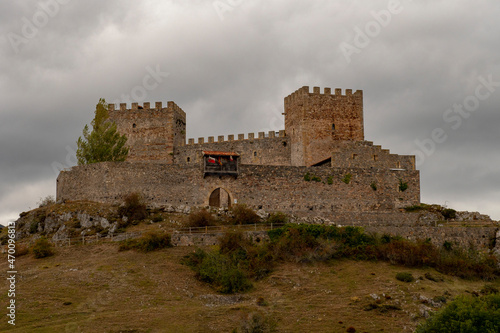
(220, 153)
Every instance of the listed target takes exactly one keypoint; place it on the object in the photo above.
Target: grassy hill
(96, 288)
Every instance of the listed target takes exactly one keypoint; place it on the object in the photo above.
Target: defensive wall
(270, 148)
(478, 237)
(464, 237)
(370, 194)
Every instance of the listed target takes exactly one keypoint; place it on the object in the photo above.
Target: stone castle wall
(465, 237)
(260, 150)
(152, 132)
(314, 121)
(272, 188)
(363, 154)
(482, 238)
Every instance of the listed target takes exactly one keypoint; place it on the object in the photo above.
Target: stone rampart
(478, 237)
(272, 188)
(261, 150)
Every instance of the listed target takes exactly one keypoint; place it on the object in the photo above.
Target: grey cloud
(231, 77)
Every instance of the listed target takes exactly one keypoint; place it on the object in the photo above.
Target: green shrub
(416, 208)
(448, 246)
(157, 218)
(47, 201)
(468, 264)
(38, 219)
(385, 239)
(222, 273)
(403, 186)
(133, 208)
(316, 179)
(21, 250)
(149, 242)
(410, 254)
(307, 177)
(405, 277)
(241, 214)
(449, 214)
(294, 244)
(33, 227)
(329, 180)
(431, 277)
(347, 178)
(489, 289)
(230, 242)
(278, 218)
(201, 218)
(466, 314)
(373, 185)
(42, 248)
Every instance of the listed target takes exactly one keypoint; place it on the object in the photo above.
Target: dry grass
(111, 291)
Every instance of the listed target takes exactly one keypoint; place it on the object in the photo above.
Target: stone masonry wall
(260, 150)
(314, 121)
(465, 237)
(272, 188)
(479, 237)
(152, 133)
(363, 154)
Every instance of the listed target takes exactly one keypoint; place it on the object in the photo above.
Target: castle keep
(320, 164)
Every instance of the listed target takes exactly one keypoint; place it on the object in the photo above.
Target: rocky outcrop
(60, 226)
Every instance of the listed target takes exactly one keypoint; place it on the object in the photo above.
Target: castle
(320, 164)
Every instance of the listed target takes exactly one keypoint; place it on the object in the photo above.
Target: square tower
(315, 122)
(152, 132)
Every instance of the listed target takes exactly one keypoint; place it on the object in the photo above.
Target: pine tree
(103, 143)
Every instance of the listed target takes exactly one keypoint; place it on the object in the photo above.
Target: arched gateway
(219, 198)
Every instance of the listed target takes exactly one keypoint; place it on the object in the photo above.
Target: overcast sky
(429, 70)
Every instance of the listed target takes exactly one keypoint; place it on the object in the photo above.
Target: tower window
(333, 127)
(255, 153)
(134, 126)
(375, 157)
(188, 159)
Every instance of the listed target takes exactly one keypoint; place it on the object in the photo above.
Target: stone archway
(219, 198)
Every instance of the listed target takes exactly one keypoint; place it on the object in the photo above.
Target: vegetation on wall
(239, 260)
(448, 213)
(403, 186)
(347, 178)
(103, 143)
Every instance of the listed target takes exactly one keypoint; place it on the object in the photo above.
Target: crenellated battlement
(146, 106)
(305, 92)
(239, 137)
